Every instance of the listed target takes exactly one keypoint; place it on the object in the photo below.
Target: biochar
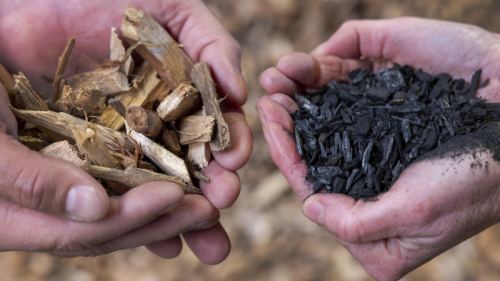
(358, 138)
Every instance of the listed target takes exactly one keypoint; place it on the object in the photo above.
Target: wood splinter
(168, 162)
(63, 61)
(117, 53)
(198, 154)
(183, 101)
(206, 85)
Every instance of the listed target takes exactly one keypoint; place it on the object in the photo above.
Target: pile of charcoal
(358, 138)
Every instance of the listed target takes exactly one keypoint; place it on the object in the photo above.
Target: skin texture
(35, 191)
(436, 203)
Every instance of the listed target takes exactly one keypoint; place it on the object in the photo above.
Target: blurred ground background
(271, 238)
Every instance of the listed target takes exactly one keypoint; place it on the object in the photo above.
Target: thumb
(49, 185)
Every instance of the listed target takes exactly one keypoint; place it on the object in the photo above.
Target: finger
(288, 103)
(284, 153)
(224, 187)
(271, 111)
(211, 246)
(273, 81)
(314, 71)
(135, 209)
(241, 143)
(49, 185)
(205, 39)
(195, 211)
(167, 249)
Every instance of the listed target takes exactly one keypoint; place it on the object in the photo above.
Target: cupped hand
(34, 47)
(436, 203)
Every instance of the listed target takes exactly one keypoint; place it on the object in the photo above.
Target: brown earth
(271, 238)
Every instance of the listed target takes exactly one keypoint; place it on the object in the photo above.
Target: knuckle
(29, 188)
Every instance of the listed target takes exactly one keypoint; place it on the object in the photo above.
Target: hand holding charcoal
(41, 207)
(436, 203)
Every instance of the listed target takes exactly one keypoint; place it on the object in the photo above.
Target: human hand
(437, 202)
(34, 49)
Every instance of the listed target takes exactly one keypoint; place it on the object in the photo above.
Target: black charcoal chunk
(378, 94)
(474, 83)
(306, 104)
(391, 79)
(339, 185)
(405, 128)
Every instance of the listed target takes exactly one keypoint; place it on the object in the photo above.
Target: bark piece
(197, 174)
(133, 177)
(164, 159)
(145, 85)
(84, 100)
(183, 101)
(110, 81)
(194, 129)
(90, 145)
(34, 139)
(170, 140)
(65, 151)
(61, 122)
(159, 48)
(144, 121)
(206, 85)
(23, 89)
(63, 61)
(117, 53)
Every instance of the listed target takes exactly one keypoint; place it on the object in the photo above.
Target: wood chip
(168, 162)
(117, 53)
(170, 141)
(144, 121)
(90, 145)
(159, 48)
(206, 85)
(183, 101)
(110, 81)
(34, 139)
(63, 61)
(194, 129)
(23, 89)
(146, 85)
(65, 151)
(83, 101)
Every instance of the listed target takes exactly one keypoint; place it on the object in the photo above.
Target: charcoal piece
(317, 99)
(396, 172)
(370, 176)
(317, 187)
(338, 142)
(388, 145)
(399, 143)
(299, 142)
(331, 171)
(350, 179)
(326, 111)
(347, 97)
(366, 193)
(399, 98)
(405, 128)
(414, 153)
(333, 159)
(391, 79)
(331, 98)
(362, 125)
(346, 147)
(378, 94)
(306, 104)
(366, 156)
(407, 108)
(484, 84)
(442, 86)
(357, 187)
(422, 76)
(431, 140)
(474, 83)
(329, 188)
(478, 112)
(339, 185)
(345, 116)
(449, 127)
(358, 75)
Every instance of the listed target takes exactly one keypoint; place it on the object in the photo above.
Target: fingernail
(313, 210)
(169, 208)
(82, 204)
